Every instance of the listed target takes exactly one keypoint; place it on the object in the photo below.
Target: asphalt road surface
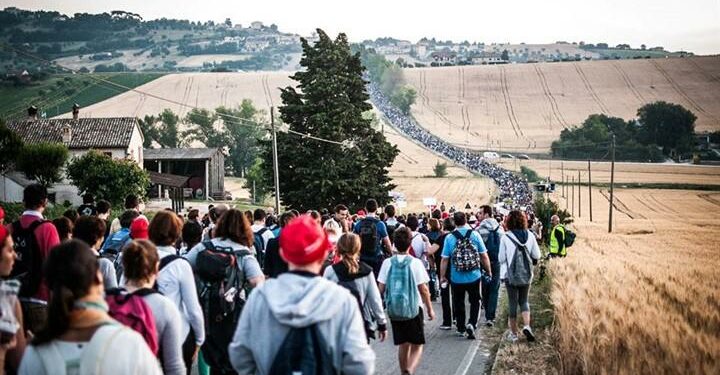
(445, 353)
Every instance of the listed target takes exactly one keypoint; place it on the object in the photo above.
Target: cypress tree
(329, 102)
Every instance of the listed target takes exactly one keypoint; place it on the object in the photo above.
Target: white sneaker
(511, 337)
(527, 331)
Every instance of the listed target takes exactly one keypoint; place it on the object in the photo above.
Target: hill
(523, 107)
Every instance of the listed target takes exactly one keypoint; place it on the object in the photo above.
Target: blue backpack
(493, 244)
(117, 241)
(401, 299)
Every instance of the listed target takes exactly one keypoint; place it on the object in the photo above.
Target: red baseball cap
(2, 213)
(3, 235)
(139, 229)
(303, 241)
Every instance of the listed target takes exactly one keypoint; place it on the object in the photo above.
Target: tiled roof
(106, 132)
(179, 153)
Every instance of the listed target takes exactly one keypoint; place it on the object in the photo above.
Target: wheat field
(646, 173)
(520, 107)
(646, 298)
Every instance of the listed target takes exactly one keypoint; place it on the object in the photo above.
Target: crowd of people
(235, 292)
(510, 184)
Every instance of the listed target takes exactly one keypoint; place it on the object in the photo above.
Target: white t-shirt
(416, 267)
(420, 247)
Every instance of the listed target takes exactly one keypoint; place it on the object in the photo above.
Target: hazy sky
(692, 25)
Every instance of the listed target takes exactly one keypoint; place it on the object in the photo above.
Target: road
(445, 353)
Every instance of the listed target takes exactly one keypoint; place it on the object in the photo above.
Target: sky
(691, 25)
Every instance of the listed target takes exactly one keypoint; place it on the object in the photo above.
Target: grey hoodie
(488, 225)
(294, 300)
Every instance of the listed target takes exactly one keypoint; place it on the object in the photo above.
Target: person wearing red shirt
(34, 300)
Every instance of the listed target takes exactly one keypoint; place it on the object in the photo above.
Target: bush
(43, 162)
(440, 169)
(530, 174)
(107, 178)
(545, 208)
(14, 210)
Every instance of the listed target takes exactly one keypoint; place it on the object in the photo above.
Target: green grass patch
(523, 357)
(530, 174)
(56, 95)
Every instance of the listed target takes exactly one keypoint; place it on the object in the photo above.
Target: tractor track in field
(590, 89)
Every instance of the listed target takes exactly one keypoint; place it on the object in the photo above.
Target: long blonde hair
(348, 247)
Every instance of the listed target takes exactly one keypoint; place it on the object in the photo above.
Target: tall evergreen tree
(329, 102)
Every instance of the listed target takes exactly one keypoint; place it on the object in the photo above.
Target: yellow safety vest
(555, 247)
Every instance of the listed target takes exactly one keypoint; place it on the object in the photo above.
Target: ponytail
(348, 246)
(70, 270)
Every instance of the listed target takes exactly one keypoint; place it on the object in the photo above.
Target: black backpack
(569, 237)
(390, 230)
(28, 266)
(259, 244)
(222, 298)
(368, 238)
(303, 351)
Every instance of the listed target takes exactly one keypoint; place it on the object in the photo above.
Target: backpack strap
(209, 245)
(164, 262)
(457, 234)
(468, 234)
(142, 292)
(99, 346)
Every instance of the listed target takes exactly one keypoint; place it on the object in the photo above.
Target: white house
(119, 137)
(257, 25)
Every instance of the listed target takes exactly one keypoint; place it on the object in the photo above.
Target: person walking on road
(301, 308)
(466, 254)
(519, 251)
(403, 280)
(491, 232)
(373, 237)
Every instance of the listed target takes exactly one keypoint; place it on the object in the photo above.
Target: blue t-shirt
(457, 277)
(381, 232)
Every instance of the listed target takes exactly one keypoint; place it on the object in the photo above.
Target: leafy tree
(440, 169)
(505, 56)
(590, 141)
(667, 125)
(243, 127)
(168, 133)
(329, 102)
(148, 125)
(107, 178)
(404, 98)
(43, 162)
(255, 176)
(202, 128)
(11, 145)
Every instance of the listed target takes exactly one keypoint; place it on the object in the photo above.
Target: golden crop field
(646, 298)
(624, 172)
(525, 106)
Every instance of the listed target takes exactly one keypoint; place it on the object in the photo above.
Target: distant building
(444, 56)
(118, 137)
(203, 169)
(257, 25)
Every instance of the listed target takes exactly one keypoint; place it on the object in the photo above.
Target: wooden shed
(204, 168)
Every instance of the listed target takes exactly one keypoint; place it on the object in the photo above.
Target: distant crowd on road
(235, 292)
(510, 184)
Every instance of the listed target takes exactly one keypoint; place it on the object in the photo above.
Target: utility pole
(562, 175)
(612, 182)
(579, 196)
(572, 197)
(275, 160)
(590, 189)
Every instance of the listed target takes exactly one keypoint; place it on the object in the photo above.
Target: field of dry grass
(525, 106)
(645, 299)
(624, 172)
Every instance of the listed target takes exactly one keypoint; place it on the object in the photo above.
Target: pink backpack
(131, 310)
